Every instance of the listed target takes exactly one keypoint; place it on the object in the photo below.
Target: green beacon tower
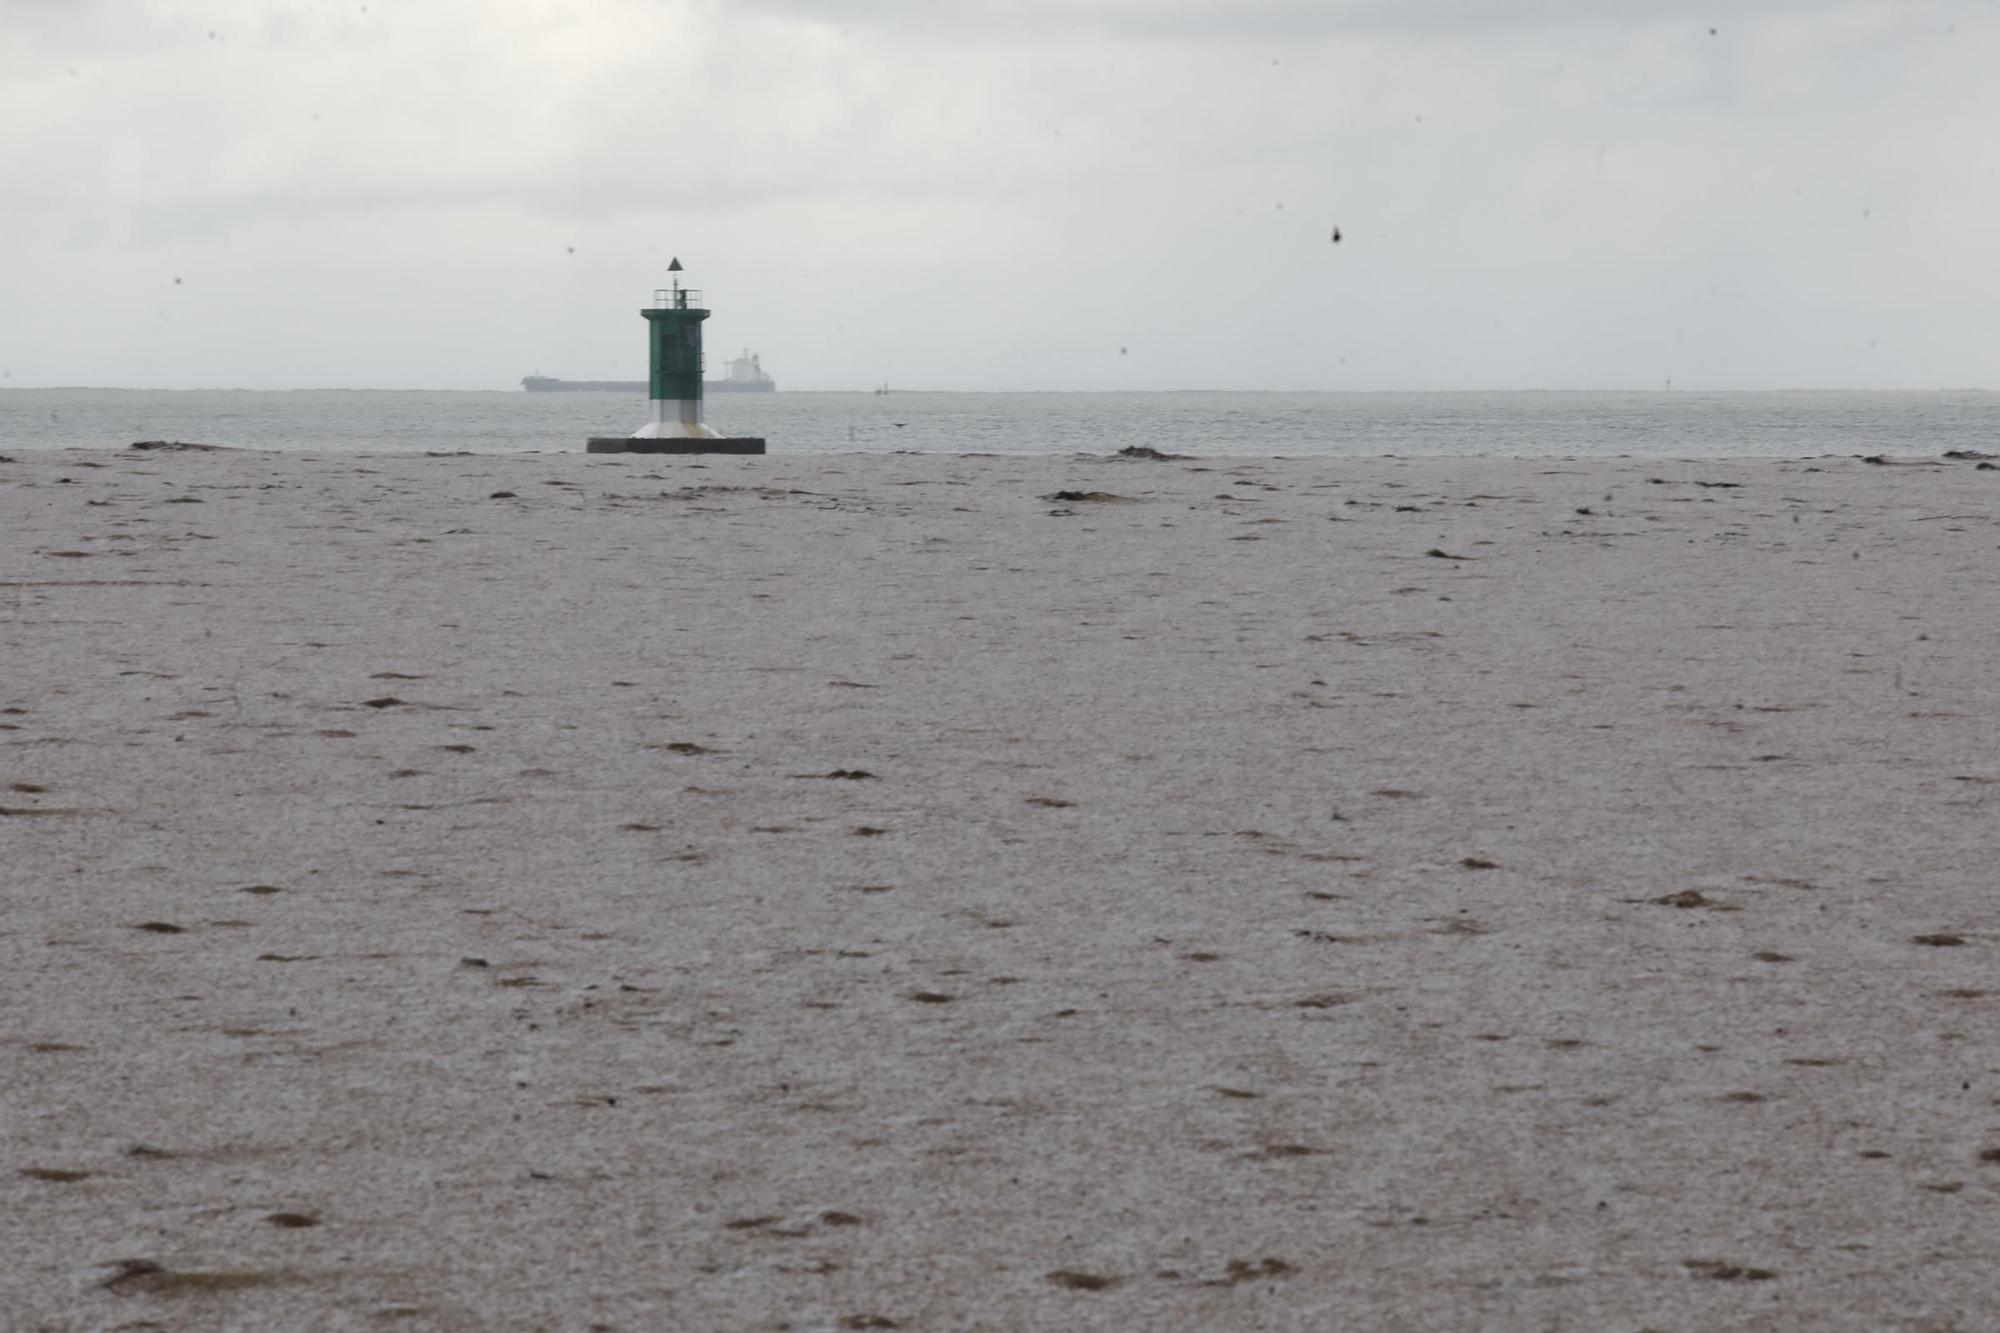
(673, 331)
(673, 335)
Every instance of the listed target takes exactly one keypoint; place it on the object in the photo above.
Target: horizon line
(1659, 391)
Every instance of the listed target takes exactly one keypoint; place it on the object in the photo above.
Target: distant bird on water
(1336, 235)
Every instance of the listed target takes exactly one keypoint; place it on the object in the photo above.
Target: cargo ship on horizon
(746, 375)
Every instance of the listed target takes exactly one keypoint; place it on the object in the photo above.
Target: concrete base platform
(619, 444)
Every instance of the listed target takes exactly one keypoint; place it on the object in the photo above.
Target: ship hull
(549, 384)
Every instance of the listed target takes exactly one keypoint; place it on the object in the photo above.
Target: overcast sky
(1004, 194)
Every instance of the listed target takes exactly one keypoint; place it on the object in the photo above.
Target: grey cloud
(1254, 19)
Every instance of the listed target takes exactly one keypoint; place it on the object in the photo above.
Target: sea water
(1517, 424)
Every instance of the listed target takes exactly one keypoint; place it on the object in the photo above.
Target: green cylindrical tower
(673, 334)
(673, 327)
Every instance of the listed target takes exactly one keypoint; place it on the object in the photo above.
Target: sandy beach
(934, 892)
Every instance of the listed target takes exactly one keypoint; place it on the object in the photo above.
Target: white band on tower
(675, 419)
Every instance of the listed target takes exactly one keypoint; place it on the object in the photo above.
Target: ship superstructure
(745, 375)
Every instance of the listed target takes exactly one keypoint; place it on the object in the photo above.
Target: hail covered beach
(880, 891)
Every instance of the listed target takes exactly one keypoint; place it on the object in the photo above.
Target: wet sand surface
(870, 892)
